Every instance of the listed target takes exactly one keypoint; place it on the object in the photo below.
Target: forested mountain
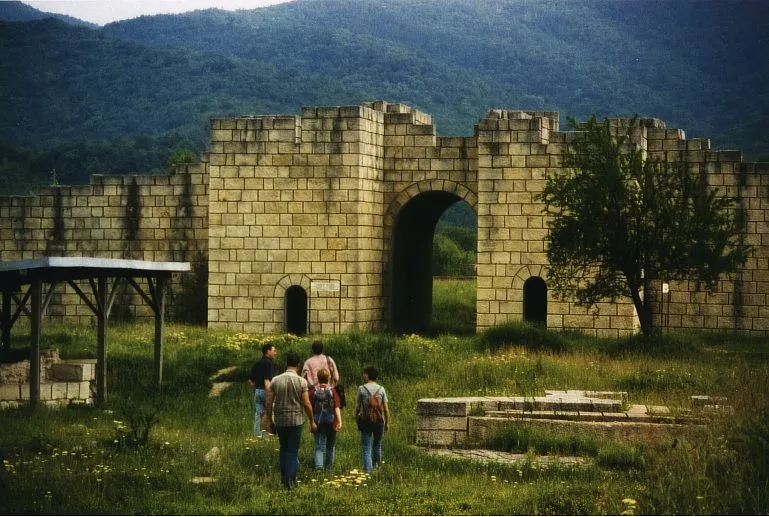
(697, 64)
(133, 91)
(16, 11)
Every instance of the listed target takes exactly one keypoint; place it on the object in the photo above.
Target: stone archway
(530, 284)
(409, 228)
(294, 291)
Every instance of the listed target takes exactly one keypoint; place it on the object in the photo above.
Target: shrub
(522, 438)
(353, 351)
(521, 333)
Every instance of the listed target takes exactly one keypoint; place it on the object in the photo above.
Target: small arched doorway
(296, 310)
(535, 301)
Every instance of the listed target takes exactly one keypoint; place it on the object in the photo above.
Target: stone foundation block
(72, 371)
(11, 391)
(442, 407)
(446, 423)
(59, 390)
(428, 438)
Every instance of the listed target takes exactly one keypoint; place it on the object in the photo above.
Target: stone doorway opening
(535, 301)
(296, 310)
(411, 273)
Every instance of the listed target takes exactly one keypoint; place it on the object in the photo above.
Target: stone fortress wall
(337, 206)
(142, 217)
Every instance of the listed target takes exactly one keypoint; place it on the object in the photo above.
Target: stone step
(596, 416)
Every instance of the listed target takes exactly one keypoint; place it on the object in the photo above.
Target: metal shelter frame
(103, 276)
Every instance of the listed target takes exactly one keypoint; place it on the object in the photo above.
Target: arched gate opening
(412, 248)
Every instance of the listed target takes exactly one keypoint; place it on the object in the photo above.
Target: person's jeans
(372, 451)
(325, 439)
(289, 439)
(260, 397)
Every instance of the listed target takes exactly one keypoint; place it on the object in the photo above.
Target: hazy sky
(106, 11)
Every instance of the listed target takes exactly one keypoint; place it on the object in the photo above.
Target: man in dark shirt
(261, 376)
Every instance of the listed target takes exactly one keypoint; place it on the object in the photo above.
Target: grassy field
(94, 460)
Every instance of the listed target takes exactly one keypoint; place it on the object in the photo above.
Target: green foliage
(73, 163)
(528, 439)
(520, 333)
(390, 356)
(139, 417)
(453, 306)
(165, 76)
(522, 438)
(670, 379)
(449, 259)
(66, 462)
(180, 156)
(620, 223)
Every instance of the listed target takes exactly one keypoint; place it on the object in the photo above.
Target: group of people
(315, 391)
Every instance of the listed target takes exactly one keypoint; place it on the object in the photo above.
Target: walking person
(328, 417)
(372, 414)
(315, 363)
(261, 375)
(287, 399)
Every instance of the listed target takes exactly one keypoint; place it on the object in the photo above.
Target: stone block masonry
(144, 217)
(322, 222)
(458, 421)
(62, 382)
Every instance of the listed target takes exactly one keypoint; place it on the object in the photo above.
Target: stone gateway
(323, 222)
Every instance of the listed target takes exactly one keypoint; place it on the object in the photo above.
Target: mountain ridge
(139, 84)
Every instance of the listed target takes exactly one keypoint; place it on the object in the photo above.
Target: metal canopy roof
(21, 272)
(97, 271)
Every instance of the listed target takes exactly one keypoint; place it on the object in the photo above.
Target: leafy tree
(621, 223)
(450, 259)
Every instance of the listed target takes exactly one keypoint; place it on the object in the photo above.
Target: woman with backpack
(372, 414)
(328, 417)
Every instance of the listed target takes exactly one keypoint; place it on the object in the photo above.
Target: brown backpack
(373, 413)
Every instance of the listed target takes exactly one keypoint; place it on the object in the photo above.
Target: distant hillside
(73, 84)
(128, 94)
(14, 11)
(698, 65)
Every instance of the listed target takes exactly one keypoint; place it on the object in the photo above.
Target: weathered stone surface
(73, 371)
(442, 407)
(487, 456)
(280, 202)
(435, 438)
(481, 428)
(14, 372)
(10, 391)
(446, 423)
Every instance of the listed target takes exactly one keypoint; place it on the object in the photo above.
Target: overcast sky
(106, 11)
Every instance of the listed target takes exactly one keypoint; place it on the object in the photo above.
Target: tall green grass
(85, 460)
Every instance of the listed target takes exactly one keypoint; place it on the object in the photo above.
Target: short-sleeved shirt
(288, 389)
(314, 364)
(263, 369)
(368, 389)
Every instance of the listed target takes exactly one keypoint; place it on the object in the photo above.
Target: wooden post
(160, 309)
(34, 349)
(101, 340)
(5, 341)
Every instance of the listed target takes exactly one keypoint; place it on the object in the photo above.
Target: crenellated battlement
(339, 203)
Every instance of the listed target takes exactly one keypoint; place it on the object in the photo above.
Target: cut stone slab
(488, 456)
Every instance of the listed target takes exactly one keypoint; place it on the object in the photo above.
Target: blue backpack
(323, 405)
